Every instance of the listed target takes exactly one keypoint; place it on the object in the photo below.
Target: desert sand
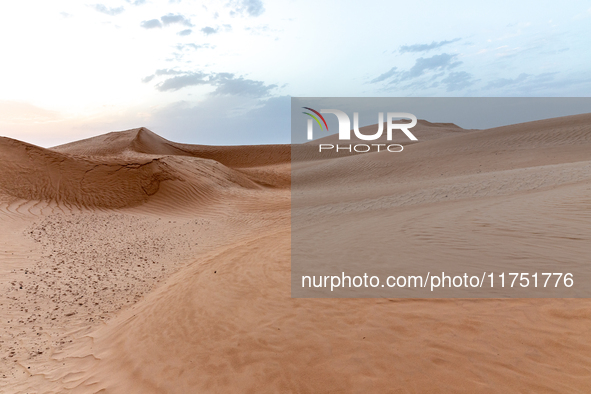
(133, 264)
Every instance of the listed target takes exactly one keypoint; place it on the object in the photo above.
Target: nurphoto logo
(345, 130)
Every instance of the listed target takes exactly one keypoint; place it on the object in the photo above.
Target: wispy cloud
(458, 80)
(182, 47)
(161, 72)
(248, 7)
(167, 20)
(107, 10)
(385, 75)
(172, 18)
(209, 30)
(426, 47)
(503, 82)
(182, 81)
(168, 71)
(436, 63)
(225, 83)
(428, 73)
(151, 24)
(228, 84)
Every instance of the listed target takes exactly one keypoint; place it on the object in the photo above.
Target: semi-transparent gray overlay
(342, 228)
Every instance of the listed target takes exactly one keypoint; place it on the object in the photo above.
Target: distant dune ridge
(133, 264)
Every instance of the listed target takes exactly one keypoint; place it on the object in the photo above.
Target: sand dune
(529, 145)
(143, 141)
(132, 264)
(112, 176)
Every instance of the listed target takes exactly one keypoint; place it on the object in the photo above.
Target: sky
(223, 72)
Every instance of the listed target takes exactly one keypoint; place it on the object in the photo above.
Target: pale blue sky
(216, 72)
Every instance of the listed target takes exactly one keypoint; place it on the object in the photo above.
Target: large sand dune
(143, 141)
(125, 169)
(132, 264)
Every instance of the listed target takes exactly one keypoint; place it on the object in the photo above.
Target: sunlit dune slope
(112, 181)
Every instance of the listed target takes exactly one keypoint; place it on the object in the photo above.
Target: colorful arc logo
(316, 119)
